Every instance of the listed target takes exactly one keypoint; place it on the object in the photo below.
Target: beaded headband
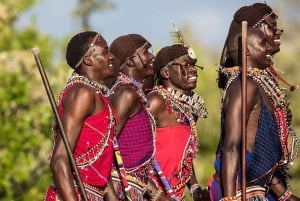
(137, 50)
(263, 19)
(89, 49)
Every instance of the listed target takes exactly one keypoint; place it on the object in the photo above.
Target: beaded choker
(194, 103)
(125, 79)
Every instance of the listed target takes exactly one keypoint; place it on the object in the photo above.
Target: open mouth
(277, 41)
(193, 78)
(269, 56)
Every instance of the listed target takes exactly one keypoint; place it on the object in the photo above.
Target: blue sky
(209, 19)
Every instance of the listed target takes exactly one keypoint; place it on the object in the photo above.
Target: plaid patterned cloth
(136, 141)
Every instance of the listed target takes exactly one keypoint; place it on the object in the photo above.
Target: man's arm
(231, 152)
(79, 104)
(125, 101)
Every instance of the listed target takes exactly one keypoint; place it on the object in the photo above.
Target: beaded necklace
(94, 152)
(183, 107)
(99, 88)
(277, 97)
(125, 79)
(194, 103)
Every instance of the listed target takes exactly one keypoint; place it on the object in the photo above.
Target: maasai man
(266, 118)
(135, 132)
(261, 16)
(175, 108)
(87, 119)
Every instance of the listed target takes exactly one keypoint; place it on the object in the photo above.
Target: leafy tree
(25, 115)
(87, 7)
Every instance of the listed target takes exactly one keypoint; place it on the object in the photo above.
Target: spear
(35, 52)
(244, 109)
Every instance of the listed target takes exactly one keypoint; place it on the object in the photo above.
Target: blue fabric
(267, 146)
(267, 151)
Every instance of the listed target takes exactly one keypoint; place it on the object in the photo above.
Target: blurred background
(26, 115)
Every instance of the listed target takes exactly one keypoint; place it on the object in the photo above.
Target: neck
(127, 78)
(133, 74)
(94, 77)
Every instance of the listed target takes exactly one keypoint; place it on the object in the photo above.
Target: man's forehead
(146, 45)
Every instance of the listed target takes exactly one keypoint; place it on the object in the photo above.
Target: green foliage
(25, 113)
(23, 161)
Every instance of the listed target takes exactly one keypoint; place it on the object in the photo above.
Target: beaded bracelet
(229, 198)
(285, 195)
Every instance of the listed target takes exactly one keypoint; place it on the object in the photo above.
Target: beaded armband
(285, 195)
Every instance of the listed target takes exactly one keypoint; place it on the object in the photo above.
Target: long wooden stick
(244, 108)
(38, 61)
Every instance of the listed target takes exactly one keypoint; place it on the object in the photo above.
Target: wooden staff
(38, 61)
(244, 107)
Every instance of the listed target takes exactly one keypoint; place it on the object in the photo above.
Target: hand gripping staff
(38, 61)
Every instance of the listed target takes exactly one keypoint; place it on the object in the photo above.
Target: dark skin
(272, 32)
(80, 103)
(125, 100)
(182, 78)
(257, 49)
(273, 35)
(127, 103)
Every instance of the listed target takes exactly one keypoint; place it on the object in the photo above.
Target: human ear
(129, 62)
(87, 60)
(164, 72)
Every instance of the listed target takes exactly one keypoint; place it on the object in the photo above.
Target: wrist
(194, 187)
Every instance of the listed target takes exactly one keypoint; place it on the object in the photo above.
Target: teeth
(277, 40)
(192, 78)
(269, 56)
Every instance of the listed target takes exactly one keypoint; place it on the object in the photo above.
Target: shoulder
(81, 92)
(234, 92)
(155, 97)
(252, 85)
(156, 102)
(125, 94)
(80, 100)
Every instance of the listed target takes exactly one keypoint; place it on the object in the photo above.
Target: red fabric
(99, 173)
(171, 144)
(91, 195)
